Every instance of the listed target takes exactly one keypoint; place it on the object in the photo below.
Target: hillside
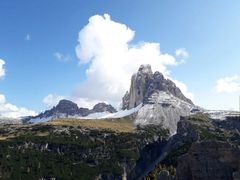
(114, 149)
(67, 149)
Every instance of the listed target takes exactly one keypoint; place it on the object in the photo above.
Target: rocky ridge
(67, 108)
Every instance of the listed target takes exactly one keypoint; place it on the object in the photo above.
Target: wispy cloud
(27, 37)
(52, 100)
(62, 57)
(2, 69)
(182, 53)
(228, 84)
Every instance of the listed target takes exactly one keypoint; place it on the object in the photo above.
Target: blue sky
(38, 41)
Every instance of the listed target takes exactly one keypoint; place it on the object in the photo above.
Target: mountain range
(151, 99)
(158, 133)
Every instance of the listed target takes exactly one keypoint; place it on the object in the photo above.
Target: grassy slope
(124, 125)
(118, 125)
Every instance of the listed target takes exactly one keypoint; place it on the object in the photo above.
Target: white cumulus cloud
(2, 69)
(2, 99)
(106, 46)
(85, 102)
(228, 84)
(183, 87)
(52, 100)
(11, 111)
(7, 109)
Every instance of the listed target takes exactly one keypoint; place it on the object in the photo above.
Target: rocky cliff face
(203, 148)
(210, 160)
(163, 109)
(162, 101)
(66, 107)
(144, 83)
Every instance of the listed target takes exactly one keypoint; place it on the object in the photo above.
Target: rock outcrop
(103, 107)
(162, 101)
(163, 109)
(210, 160)
(202, 149)
(66, 107)
(144, 83)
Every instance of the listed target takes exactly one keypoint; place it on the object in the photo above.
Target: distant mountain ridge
(66, 108)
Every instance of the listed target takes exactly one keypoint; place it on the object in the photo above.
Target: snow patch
(221, 114)
(119, 114)
(100, 115)
(39, 120)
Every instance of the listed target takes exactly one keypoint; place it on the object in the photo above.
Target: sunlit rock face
(163, 102)
(144, 83)
(163, 109)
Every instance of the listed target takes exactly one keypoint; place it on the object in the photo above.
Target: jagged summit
(145, 68)
(67, 107)
(103, 107)
(162, 101)
(144, 83)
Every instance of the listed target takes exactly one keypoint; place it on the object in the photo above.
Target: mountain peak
(67, 107)
(144, 83)
(145, 68)
(103, 107)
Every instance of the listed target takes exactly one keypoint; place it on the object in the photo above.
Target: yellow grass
(3, 138)
(41, 134)
(118, 125)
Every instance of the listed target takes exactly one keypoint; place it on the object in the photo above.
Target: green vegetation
(199, 117)
(160, 167)
(171, 158)
(208, 133)
(63, 150)
(169, 163)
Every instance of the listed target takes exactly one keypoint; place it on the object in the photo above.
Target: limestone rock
(163, 109)
(144, 83)
(66, 107)
(103, 107)
(209, 160)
